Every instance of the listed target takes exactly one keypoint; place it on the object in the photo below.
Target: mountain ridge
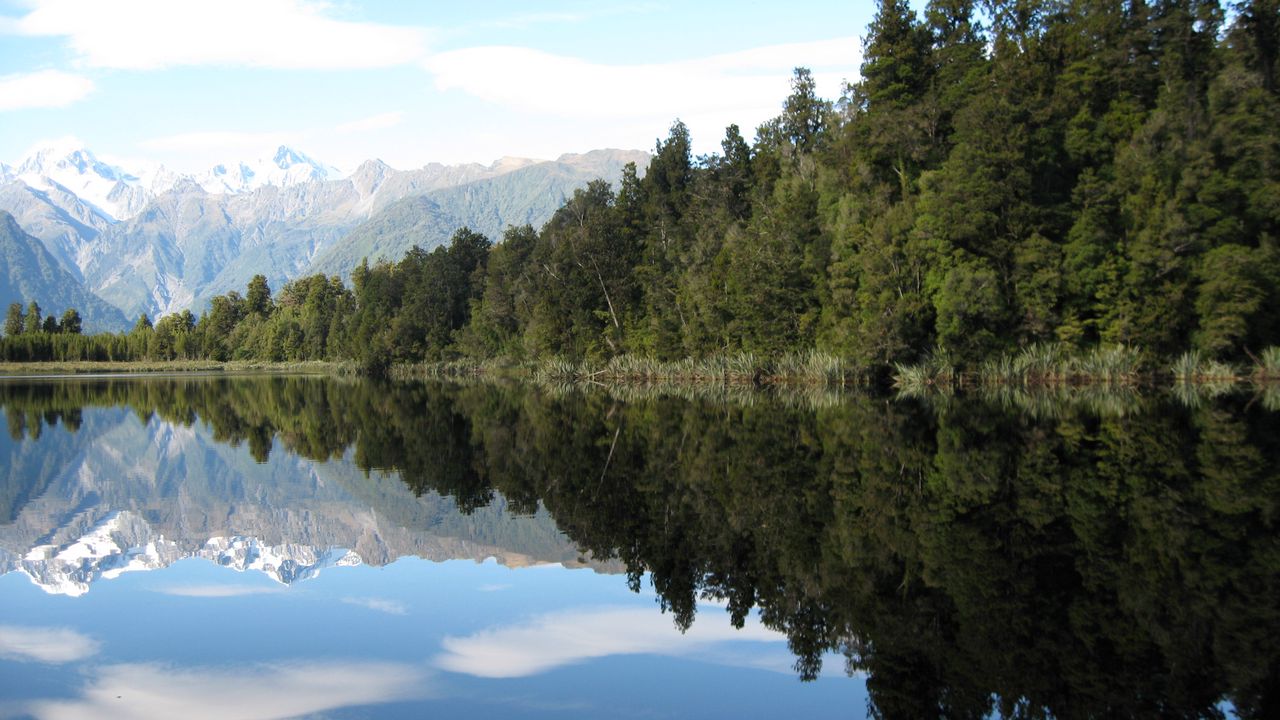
(157, 242)
(31, 273)
(132, 498)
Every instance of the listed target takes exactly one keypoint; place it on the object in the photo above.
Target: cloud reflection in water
(44, 644)
(258, 692)
(552, 640)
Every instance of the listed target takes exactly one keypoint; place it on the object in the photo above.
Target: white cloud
(373, 122)
(219, 143)
(550, 641)
(217, 591)
(524, 20)
(151, 34)
(43, 89)
(737, 83)
(44, 644)
(391, 607)
(570, 102)
(266, 692)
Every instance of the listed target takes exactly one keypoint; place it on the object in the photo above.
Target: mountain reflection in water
(970, 557)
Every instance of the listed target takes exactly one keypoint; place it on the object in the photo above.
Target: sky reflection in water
(166, 583)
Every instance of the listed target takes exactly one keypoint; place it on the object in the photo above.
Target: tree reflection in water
(969, 558)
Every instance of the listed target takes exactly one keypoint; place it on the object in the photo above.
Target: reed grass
(936, 371)
(454, 369)
(1267, 366)
(1111, 364)
(1056, 401)
(1270, 394)
(1192, 368)
(1186, 368)
(812, 367)
(1038, 364)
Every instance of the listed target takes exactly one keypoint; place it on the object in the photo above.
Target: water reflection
(1116, 556)
(549, 641)
(158, 692)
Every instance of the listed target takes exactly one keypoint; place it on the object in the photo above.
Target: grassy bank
(810, 368)
(1037, 366)
(1055, 365)
(1042, 365)
(176, 366)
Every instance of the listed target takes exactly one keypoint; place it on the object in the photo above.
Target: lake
(275, 547)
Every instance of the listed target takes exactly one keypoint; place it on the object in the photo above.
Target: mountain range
(132, 494)
(154, 241)
(30, 271)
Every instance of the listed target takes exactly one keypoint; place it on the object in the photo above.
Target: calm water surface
(275, 547)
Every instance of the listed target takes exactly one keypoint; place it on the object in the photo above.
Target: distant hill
(529, 195)
(153, 241)
(29, 272)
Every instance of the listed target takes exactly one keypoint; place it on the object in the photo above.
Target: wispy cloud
(530, 80)
(217, 591)
(264, 692)
(151, 34)
(391, 607)
(556, 639)
(523, 20)
(43, 89)
(493, 587)
(219, 142)
(45, 644)
(373, 122)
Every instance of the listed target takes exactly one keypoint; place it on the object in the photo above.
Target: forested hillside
(1083, 172)
(29, 273)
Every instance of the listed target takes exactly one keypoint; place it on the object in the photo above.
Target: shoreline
(742, 371)
(170, 367)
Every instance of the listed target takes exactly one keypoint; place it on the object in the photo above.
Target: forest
(1003, 175)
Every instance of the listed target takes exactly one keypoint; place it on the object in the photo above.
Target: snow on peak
(68, 164)
(287, 157)
(122, 541)
(284, 168)
(67, 161)
(159, 179)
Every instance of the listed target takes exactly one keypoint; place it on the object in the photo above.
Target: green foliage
(258, 296)
(1236, 300)
(1004, 177)
(1268, 364)
(33, 319)
(936, 370)
(70, 322)
(13, 320)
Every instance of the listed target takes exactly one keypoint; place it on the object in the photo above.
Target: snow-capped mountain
(286, 167)
(122, 542)
(118, 193)
(113, 192)
(149, 240)
(134, 496)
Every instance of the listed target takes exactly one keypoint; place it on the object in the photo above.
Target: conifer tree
(13, 320)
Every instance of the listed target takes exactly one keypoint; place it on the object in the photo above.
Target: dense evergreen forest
(1004, 174)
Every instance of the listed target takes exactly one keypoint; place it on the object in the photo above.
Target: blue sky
(193, 82)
